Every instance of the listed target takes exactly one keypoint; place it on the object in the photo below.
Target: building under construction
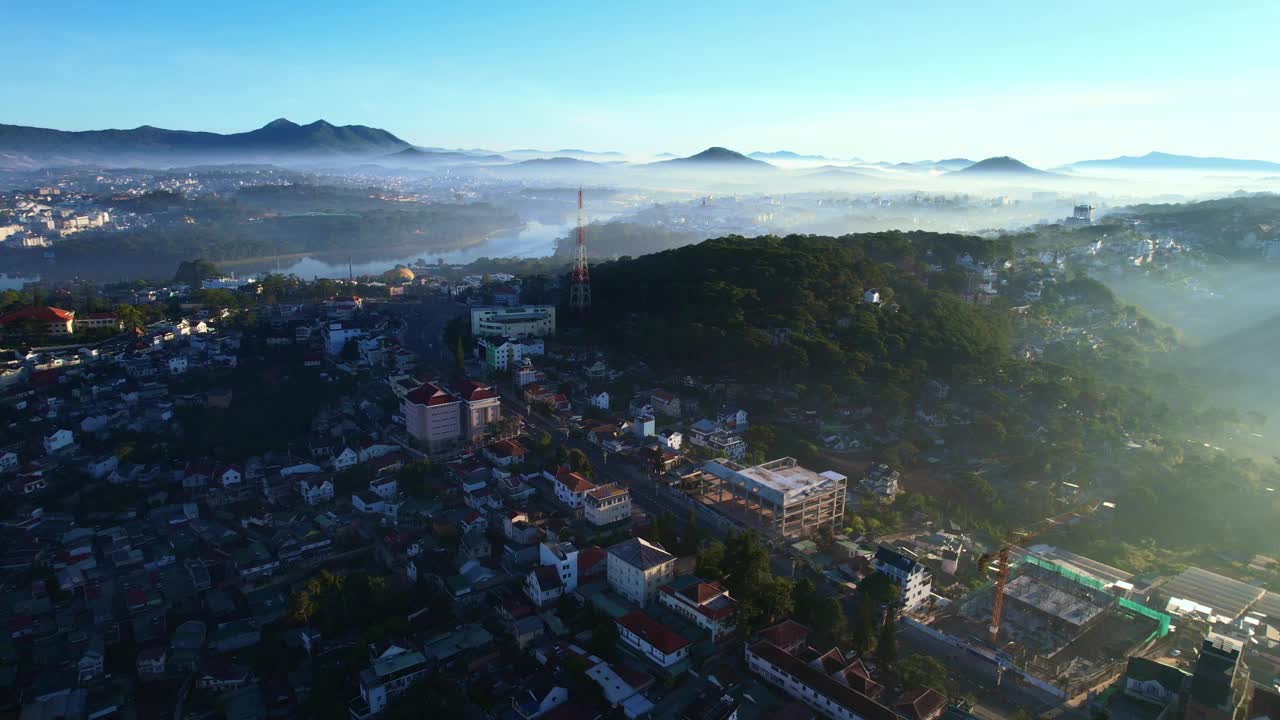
(778, 498)
(1061, 626)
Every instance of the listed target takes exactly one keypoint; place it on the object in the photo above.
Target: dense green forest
(789, 308)
(1101, 404)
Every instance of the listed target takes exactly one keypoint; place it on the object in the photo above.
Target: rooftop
(640, 553)
(661, 637)
(781, 481)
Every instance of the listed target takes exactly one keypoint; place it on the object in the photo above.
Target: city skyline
(928, 81)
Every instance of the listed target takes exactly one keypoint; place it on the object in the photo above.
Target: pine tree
(864, 627)
(887, 646)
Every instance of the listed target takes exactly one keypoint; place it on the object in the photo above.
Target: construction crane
(1017, 537)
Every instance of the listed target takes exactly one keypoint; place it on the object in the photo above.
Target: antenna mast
(580, 282)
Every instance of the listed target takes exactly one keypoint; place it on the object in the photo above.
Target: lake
(535, 240)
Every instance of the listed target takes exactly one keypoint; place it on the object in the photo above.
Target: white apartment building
(911, 576)
(394, 672)
(606, 505)
(637, 568)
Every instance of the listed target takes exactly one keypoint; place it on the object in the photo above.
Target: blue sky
(1047, 83)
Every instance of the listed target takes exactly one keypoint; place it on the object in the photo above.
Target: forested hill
(793, 308)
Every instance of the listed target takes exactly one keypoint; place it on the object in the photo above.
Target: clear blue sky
(881, 80)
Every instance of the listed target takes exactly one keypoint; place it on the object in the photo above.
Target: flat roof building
(514, 322)
(779, 498)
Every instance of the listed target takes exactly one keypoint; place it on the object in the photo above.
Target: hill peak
(280, 123)
(1000, 165)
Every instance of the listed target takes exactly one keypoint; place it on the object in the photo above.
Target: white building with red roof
(50, 320)
(433, 417)
(571, 487)
(707, 604)
(656, 642)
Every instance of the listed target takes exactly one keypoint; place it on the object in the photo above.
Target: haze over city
(711, 361)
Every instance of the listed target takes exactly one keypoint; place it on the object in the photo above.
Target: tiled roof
(640, 553)
(920, 704)
(662, 638)
(430, 394)
(575, 482)
(588, 558)
(785, 634)
(471, 391)
(41, 313)
(506, 448)
(848, 698)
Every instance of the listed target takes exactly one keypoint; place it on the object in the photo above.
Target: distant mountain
(666, 155)
(836, 172)
(417, 155)
(1166, 161)
(716, 157)
(784, 155)
(557, 162)
(279, 139)
(590, 153)
(1003, 165)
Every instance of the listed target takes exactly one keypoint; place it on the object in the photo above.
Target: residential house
(58, 441)
(571, 487)
(665, 403)
(637, 568)
(651, 639)
(1154, 682)
(505, 453)
(913, 578)
(606, 505)
(600, 401)
(391, 674)
(541, 695)
(706, 604)
(315, 489)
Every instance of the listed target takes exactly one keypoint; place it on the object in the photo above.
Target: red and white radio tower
(580, 284)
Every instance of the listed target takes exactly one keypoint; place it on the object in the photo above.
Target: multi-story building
(656, 642)
(48, 320)
(606, 505)
(706, 604)
(1219, 687)
(97, 321)
(433, 417)
(912, 577)
(571, 487)
(637, 568)
(503, 353)
(336, 335)
(514, 322)
(779, 498)
(556, 574)
(392, 673)
(481, 410)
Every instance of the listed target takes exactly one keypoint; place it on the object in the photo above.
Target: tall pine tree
(887, 646)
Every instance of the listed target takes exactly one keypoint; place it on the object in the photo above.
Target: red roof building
(657, 642)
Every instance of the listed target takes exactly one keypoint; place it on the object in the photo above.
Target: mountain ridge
(1156, 160)
(280, 138)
